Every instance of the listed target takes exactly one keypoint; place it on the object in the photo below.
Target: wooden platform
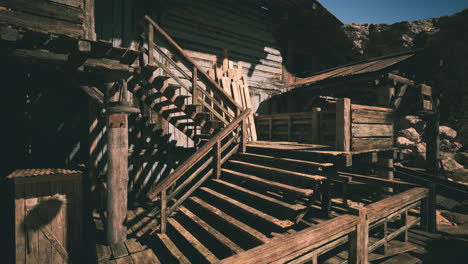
(321, 153)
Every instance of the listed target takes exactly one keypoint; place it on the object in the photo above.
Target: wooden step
(177, 119)
(193, 241)
(160, 82)
(246, 209)
(150, 99)
(286, 163)
(277, 173)
(264, 200)
(229, 244)
(186, 125)
(166, 113)
(268, 184)
(227, 219)
(159, 105)
(175, 252)
(192, 109)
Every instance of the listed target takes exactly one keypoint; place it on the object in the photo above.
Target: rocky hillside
(443, 64)
(373, 40)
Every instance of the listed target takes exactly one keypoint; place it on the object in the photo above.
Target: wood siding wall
(371, 127)
(203, 28)
(62, 17)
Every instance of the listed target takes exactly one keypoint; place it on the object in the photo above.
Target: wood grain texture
(372, 143)
(343, 124)
(117, 181)
(40, 24)
(47, 9)
(371, 116)
(372, 130)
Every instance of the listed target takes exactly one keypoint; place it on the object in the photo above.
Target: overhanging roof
(355, 69)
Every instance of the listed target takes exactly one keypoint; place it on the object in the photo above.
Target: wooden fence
(348, 127)
(308, 245)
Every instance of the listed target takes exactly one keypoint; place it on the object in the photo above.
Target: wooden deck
(322, 153)
(142, 246)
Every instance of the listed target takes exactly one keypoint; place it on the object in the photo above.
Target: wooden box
(44, 216)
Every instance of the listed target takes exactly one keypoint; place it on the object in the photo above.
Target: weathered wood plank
(74, 3)
(343, 124)
(371, 116)
(371, 143)
(205, 252)
(40, 24)
(47, 9)
(372, 130)
(311, 237)
(145, 257)
(212, 231)
(20, 240)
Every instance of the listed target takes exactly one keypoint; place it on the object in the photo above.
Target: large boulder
(447, 133)
(411, 134)
(449, 163)
(448, 146)
(404, 143)
(411, 121)
(420, 147)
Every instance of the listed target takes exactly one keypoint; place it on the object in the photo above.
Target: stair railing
(207, 161)
(204, 89)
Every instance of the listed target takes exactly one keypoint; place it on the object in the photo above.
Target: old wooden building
(151, 103)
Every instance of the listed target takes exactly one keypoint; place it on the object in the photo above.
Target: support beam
(117, 172)
(433, 141)
(343, 124)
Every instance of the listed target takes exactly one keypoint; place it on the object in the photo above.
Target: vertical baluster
(217, 159)
(243, 146)
(163, 211)
(195, 85)
(150, 44)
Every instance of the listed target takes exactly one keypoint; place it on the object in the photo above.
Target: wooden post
(431, 210)
(316, 125)
(163, 211)
(359, 240)
(150, 44)
(343, 124)
(386, 94)
(195, 85)
(433, 141)
(404, 221)
(117, 173)
(386, 171)
(326, 198)
(270, 128)
(217, 159)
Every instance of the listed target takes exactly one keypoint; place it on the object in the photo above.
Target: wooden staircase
(222, 200)
(255, 199)
(178, 89)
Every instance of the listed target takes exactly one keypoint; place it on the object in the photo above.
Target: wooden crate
(44, 216)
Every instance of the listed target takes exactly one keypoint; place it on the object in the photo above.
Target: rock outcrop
(373, 40)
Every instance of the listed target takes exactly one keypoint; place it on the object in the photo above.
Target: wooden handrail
(309, 243)
(201, 73)
(202, 152)
(388, 205)
(312, 238)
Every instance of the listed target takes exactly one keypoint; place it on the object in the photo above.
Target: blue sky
(391, 11)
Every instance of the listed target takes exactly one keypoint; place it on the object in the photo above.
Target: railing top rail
(184, 56)
(391, 204)
(206, 148)
(312, 237)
